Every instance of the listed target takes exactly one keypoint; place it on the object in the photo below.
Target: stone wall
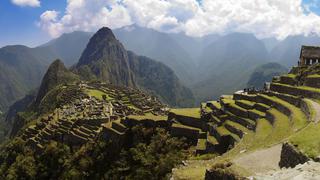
(191, 134)
(290, 156)
(189, 121)
(295, 91)
(283, 109)
(312, 82)
(270, 117)
(237, 96)
(288, 80)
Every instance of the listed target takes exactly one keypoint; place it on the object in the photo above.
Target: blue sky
(23, 25)
(18, 25)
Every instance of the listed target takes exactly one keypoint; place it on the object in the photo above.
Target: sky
(32, 22)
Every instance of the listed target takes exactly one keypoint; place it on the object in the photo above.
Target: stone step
(118, 126)
(245, 104)
(248, 123)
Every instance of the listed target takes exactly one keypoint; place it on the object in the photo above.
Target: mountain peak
(56, 74)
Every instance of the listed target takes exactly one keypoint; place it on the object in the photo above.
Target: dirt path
(261, 160)
(316, 107)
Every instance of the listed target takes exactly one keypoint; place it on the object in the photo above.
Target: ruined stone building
(309, 55)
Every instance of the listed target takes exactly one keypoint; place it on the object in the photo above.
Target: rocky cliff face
(106, 59)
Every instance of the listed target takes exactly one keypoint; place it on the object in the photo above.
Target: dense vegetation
(151, 154)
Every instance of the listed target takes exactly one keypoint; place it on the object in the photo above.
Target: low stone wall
(237, 111)
(260, 107)
(253, 116)
(295, 91)
(244, 105)
(145, 122)
(287, 80)
(290, 156)
(283, 109)
(270, 117)
(295, 100)
(189, 121)
(312, 82)
(237, 96)
(234, 130)
(191, 134)
(242, 121)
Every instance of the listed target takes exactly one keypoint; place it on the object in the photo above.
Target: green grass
(307, 140)
(212, 139)
(216, 104)
(248, 103)
(97, 94)
(225, 132)
(148, 117)
(258, 112)
(298, 118)
(314, 76)
(201, 145)
(189, 112)
(237, 126)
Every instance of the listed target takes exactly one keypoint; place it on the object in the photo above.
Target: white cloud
(31, 3)
(264, 18)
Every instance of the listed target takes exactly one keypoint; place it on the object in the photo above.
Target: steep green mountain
(159, 79)
(159, 46)
(21, 70)
(21, 67)
(106, 59)
(265, 73)
(56, 74)
(227, 63)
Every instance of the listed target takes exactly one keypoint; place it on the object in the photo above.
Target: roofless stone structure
(309, 55)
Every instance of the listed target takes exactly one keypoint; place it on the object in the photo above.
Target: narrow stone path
(316, 107)
(261, 160)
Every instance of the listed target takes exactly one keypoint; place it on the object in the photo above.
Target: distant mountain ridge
(185, 55)
(106, 59)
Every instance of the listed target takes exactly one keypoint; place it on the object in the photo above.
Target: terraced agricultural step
(118, 126)
(261, 107)
(80, 133)
(245, 104)
(235, 128)
(222, 131)
(248, 123)
(212, 140)
(297, 117)
(201, 146)
(255, 114)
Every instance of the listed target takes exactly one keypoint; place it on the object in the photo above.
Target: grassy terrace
(211, 139)
(97, 94)
(148, 116)
(258, 112)
(185, 127)
(307, 88)
(298, 118)
(314, 76)
(216, 104)
(225, 132)
(237, 126)
(307, 140)
(248, 103)
(189, 112)
(201, 145)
